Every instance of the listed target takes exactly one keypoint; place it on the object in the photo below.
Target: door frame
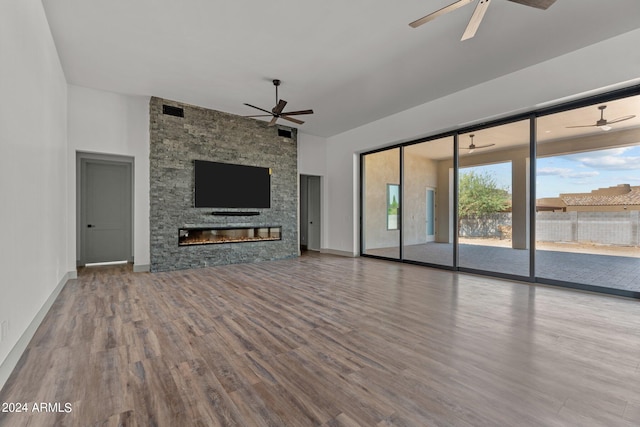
(304, 203)
(103, 158)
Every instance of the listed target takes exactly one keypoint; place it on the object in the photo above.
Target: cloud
(583, 174)
(613, 163)
(552, 171)
(612, 159)
(566, 173)
(628, 179)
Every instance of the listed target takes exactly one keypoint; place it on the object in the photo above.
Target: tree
(393, 206)
(479, 194)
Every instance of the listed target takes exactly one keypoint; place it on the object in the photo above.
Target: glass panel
(588, 195)
(381, 203)
(216, 235)
(493, 199)
(428, 227)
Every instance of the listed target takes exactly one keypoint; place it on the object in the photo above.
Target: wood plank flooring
(328, 341)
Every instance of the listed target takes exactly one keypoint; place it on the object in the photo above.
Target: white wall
(312, 160)
(110, 123)
(33, 168)
(596, 68)
(312, 153)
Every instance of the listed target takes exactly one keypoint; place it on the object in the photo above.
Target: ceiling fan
(472, 147)
(604, 123)
(277, 112)
(478, 14)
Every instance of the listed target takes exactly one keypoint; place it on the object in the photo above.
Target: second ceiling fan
(277, 111)
(478, 14)
(473, 147)
(603, 123)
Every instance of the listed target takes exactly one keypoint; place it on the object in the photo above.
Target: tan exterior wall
(420, 173)
(380, 169)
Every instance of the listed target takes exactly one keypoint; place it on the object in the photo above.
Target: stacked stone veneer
(204, 134)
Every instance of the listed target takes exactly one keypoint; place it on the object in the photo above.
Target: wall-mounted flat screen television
(225, 185)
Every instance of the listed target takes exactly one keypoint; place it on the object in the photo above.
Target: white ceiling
(352, 61)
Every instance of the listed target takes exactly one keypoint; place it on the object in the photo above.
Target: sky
(576, 173)
(583, 172)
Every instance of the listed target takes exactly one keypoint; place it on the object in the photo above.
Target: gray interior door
(106, 211)
(313, 215)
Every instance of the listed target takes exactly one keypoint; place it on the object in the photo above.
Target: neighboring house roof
(550, 203)
(620, 195)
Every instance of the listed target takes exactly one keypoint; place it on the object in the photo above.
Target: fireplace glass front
(218, 235)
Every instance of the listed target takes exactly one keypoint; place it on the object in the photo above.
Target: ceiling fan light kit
(478, 13)
(278, 112)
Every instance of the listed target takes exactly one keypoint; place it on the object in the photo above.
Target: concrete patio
(609, 271)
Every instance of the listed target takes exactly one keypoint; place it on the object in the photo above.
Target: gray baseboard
(14, 355)
(336, 252)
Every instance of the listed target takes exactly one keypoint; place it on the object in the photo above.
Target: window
(393, 195)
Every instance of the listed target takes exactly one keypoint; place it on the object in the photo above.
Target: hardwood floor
(327, 341)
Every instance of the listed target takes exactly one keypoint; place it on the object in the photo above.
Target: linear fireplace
(218, 235)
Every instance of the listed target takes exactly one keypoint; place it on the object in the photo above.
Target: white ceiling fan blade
(440, 12)
(476, 19)
(583, 126)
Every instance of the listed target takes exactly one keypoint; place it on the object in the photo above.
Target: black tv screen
(225, 185)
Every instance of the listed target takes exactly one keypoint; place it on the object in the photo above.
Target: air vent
(284, 133)
(172, 111)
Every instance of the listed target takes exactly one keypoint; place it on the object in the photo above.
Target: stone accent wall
(205, 134)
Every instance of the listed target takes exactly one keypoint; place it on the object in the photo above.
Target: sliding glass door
(470, 206)
(493, 199)
(427, 217)
(588, 196)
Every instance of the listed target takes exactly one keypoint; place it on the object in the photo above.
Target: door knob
(90, 225)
